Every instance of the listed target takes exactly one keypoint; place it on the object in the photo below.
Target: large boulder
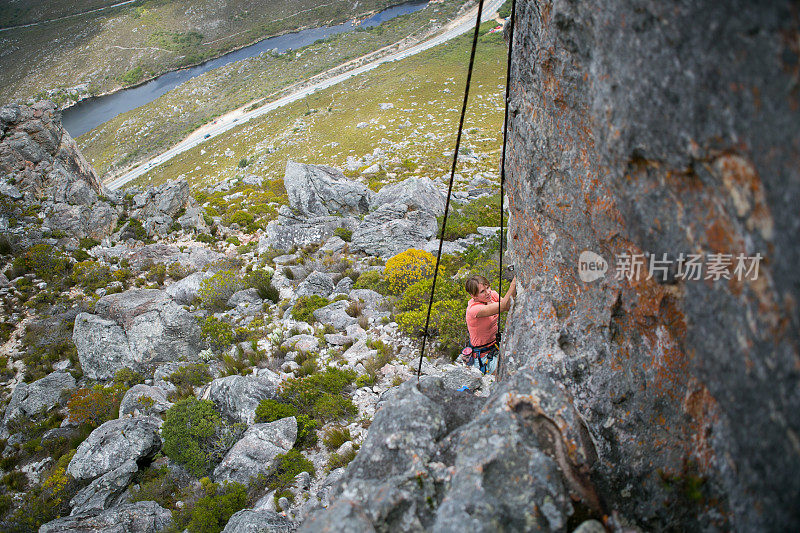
(258, 521)
(393, 479)
(316, 190)
(335, 315)
(393, 228)
(139, 517)
(238, 396)
(186, 290)
(319, 283)
(105, 491)
(417, 193)
(256, 451)
(113, 443)
(30, 399)
(137, 328)
(144, 400)
(46, 168)
(291, 229)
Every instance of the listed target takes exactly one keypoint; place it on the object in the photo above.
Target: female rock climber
(483, 311)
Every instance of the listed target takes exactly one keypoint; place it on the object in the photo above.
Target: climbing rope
(425, 331)
(511, 21)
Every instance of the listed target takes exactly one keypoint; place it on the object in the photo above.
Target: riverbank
(149, 130)
(103, 51)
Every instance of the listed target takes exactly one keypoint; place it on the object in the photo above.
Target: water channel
(92, 112)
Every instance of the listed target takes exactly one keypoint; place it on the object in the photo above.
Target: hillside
(105, 50)
(152, 128)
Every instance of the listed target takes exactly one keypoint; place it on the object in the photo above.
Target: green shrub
(321, 395)
(306, 431)
(177, 271)
(156, 485)
(447, 318)
(45, 502)
(373, 280)
(127, 378)
(345, 234)
(217, 333)
(260, 280)
(271, 410)
(365, 380)
(243, 218)
(418, 295)
(211, 512)
(196, 436)
(135, 231)
(157, 272)
(94, 406)
(335, 437)
(305, 306)
(205, 238)
(466, 219)
(88, 243)
(193, 375)
(234, 240)
(287, 467)
(339, 461)
(215, 291)
(45, 261)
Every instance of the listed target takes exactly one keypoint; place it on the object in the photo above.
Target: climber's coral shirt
(482, 330)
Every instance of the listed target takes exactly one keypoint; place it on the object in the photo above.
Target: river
(92, 112)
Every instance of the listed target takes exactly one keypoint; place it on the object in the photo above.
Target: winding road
(239, 116)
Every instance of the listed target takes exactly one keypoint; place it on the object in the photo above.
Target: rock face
(665, 401)
(158, 206)
(144, 400)
(238, 396)
(663, 136)
(47, 169)
(258, 521)
(137, 329)
(104, 491)
(139, 517)
(316, 190)
(39, 396)
(256, 451)
(394, 228)
(112, 444)
(399, 471)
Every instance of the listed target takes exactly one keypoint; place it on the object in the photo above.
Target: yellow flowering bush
(407, 268)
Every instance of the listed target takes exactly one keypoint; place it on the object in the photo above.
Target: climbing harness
(426, 332)
(481, 356)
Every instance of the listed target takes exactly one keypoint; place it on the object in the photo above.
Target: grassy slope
(150, 129)
(417, 135)
(122, 46)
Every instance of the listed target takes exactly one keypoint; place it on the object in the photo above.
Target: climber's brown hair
(473, 284)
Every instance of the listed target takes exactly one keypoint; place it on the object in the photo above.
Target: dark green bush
(259, 280)
(287, 467)
(372, 279)
(193, 375)
(271, 410)
(211, 512)
(127, 378)
(218, 334)
(320, 396)
(45, 261)
(466, 219)
(345, 234)
(196, 436)
(305, 306)
(335, 437)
